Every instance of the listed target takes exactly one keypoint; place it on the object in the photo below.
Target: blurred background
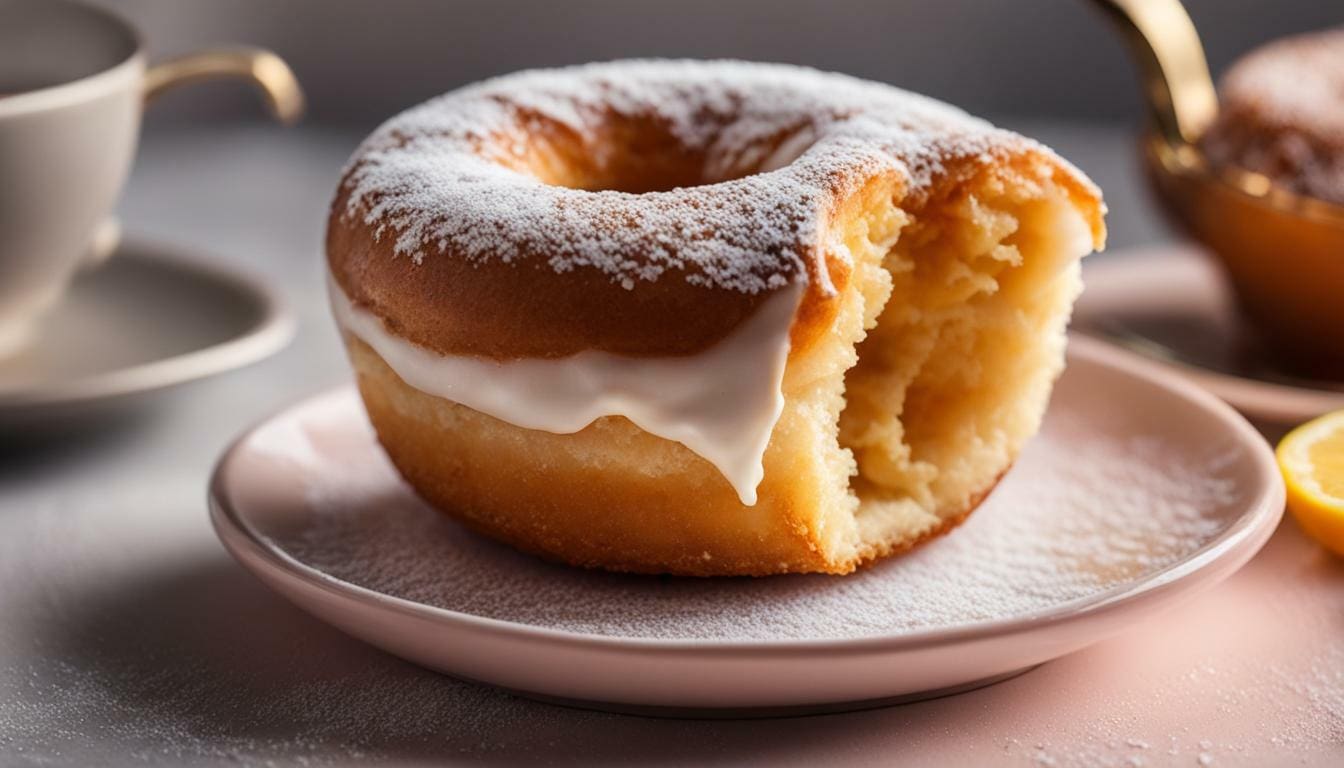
(1051, 68)
(362, 60)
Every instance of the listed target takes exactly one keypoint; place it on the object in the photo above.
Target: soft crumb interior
(957, 316)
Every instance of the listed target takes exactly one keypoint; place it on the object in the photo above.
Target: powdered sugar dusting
(1081, 514)
(443, 177)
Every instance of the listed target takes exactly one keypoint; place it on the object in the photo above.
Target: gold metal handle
(1182, 101)
(268, 72)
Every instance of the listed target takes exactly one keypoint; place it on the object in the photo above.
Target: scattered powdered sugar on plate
(1083, 512)
(780, 144)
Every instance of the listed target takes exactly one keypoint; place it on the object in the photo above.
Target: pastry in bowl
(705, 318)
(1281, 114)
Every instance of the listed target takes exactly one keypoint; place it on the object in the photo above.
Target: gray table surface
(128, 637)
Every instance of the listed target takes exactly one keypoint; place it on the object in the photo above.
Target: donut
(704, 318)
(1281, 114)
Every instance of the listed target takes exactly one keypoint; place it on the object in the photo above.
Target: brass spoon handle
(1182, 101)
(268, 72)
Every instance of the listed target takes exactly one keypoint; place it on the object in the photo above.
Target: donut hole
(958, 328)
(641, 155)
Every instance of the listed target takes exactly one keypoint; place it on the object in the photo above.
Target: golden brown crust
(523, 308)
(502, 295)
(466, 464)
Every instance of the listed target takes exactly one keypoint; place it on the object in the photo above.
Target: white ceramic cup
(73, 82)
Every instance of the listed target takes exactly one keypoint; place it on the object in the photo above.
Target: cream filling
(722, 403)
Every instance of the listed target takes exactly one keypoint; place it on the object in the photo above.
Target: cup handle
(271, 75)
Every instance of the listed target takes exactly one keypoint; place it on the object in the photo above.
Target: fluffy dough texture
(647, 209)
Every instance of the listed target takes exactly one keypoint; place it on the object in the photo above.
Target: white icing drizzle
(721, 403)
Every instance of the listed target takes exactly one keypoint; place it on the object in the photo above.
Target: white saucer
(1171, 305)
(1140, 491)
(153, 316)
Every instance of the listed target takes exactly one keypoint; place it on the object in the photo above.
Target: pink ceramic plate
(1171, 306)
(1140, 491)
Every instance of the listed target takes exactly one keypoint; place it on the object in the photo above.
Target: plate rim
(1242, 392)
(273, 330)
(1235, 545)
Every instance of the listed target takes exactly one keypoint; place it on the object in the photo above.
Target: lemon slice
(1312, 460)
